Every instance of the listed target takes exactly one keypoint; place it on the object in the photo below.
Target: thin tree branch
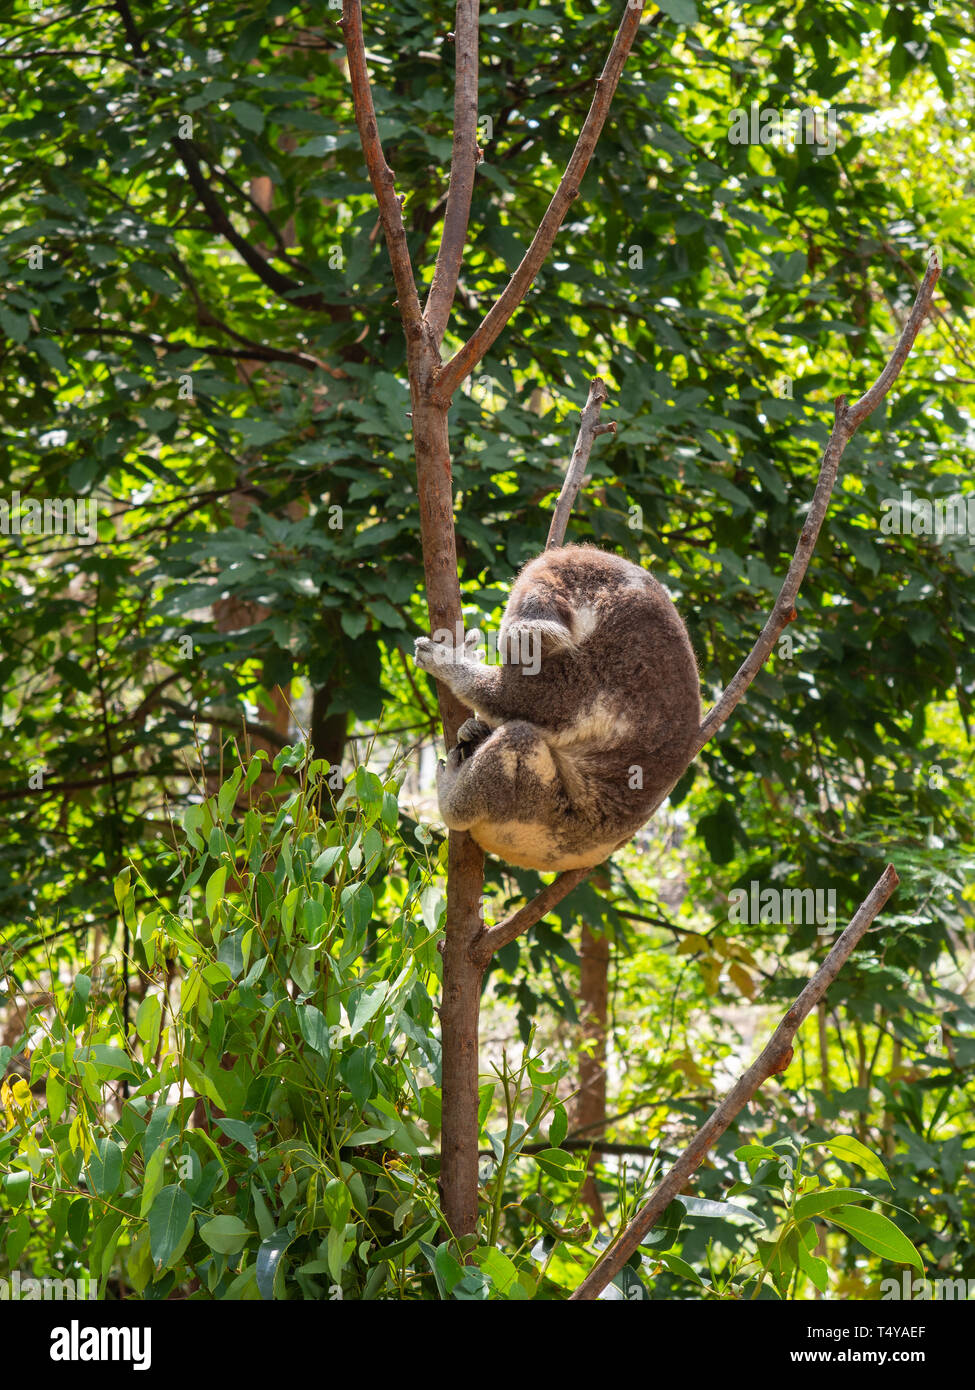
(848, 419)
(454, 371)
(491, 939)
(589, 427)
(255, 353)
(774, 1058)
(190, 153)
(38, 793)
(283, 285)
(463, 162)
(217, 721)
(380, 174)
(602, 1146)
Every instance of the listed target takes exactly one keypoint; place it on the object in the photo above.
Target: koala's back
(615, 698)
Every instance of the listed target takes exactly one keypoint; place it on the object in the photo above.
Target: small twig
(589, 427)
(601, 1146)
(774, 1058)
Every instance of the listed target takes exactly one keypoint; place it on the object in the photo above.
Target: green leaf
(314, 1029)
(353, 623)
(559, 1127)
(225, 1234)
(249, 116)
(19, 1232)
(721, 1211)
(51, 353)
(559, 1165)
(355, 1069)
(681, 11)
(105, 1168)
(814, 1203)
(110, 1063)
(850, 1149)
(214, 891)
(156, 281)
(241, 1133)
(366, 1007)
(17, 1187)
(269, 1256)
(501, 1270)
(337, 1201)
(147, 1021)
(811, 1265)
(664, 1234)
(16, 326)
(153, 1177)
(679, 1267)
(326, 861)
(878, 1234)
(56, 1093)
(171, 1213)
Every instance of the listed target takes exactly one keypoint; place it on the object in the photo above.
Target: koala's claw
(470, 736)
(472, 731)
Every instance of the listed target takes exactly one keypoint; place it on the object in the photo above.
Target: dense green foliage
(198, 335)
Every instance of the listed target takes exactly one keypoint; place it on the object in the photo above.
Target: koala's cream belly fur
(530, 845)
(590, 719)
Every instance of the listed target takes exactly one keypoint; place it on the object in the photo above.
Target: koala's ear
(538, 622)
(523, 641)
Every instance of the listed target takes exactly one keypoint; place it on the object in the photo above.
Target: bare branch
(589, 427)
(847, 420)
(774, 1058)
(454, 371)
(463, 162)
(380, 174)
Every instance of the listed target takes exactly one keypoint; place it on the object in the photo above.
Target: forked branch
(848, 419)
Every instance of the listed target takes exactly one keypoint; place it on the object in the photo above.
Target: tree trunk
(589, 1112)
(328, 731)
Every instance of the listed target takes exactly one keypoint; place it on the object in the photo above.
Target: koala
(584, 726)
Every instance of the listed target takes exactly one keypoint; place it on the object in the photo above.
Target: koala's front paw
(431, 656)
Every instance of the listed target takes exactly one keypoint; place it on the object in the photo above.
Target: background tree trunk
(589, 1111)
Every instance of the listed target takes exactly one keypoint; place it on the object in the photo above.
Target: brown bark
(328, 731)
(589, 1111)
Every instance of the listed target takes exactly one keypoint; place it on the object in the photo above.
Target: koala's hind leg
(509, 776)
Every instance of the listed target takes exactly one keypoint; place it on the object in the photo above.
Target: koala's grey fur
(570, 754)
